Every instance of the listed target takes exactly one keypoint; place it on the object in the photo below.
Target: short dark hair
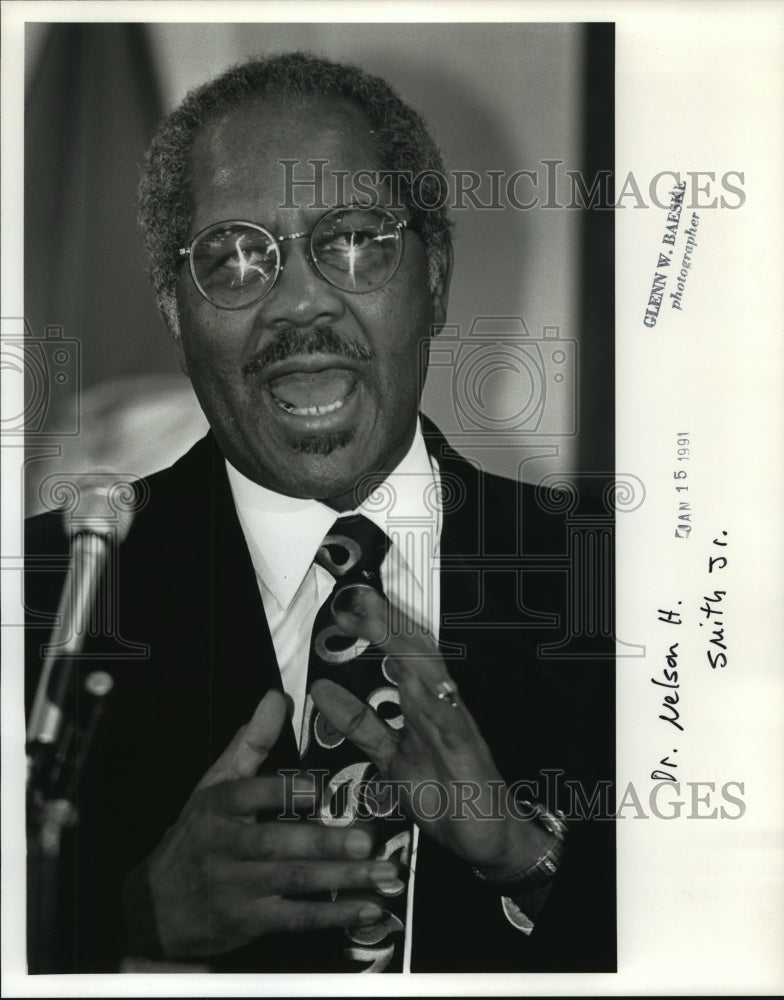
(402, 140)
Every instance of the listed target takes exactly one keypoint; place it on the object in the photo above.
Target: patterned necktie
(353, 552)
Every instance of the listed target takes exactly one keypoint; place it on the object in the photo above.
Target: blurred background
(521, 380)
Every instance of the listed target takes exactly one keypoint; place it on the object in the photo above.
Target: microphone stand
(61, 730)
(51, 811)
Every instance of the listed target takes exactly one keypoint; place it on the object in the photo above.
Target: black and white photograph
(387, 589)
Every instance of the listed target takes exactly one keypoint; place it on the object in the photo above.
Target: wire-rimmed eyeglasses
(356, 249)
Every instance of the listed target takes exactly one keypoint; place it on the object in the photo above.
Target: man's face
(255, 370)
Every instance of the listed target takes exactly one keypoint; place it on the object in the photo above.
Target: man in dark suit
(300, 313)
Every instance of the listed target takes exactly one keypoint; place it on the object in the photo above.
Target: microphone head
(104, 510)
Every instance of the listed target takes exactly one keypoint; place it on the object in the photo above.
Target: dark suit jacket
(187, 591)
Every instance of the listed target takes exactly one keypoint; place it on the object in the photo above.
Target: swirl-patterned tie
(353, 552)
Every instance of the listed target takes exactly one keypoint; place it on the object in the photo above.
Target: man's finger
(300, 877)
(297, 915)
(391, 630)
(296, 840)
(444, 723)
(251, 744)
(414, 658)
(430, 700)
(356, 720)
(248, 796)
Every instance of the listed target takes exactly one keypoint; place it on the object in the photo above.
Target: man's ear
(440, 293)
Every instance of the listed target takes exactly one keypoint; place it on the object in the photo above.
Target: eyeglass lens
(354, 249)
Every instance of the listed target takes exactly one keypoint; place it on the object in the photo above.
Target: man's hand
(449, 780)
(223, 876)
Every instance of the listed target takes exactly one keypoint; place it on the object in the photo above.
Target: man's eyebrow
(354, 203)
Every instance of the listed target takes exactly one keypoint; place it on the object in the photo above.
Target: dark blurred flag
(91, 108)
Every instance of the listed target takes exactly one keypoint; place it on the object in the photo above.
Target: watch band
(539, 872)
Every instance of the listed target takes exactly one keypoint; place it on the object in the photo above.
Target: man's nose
(300, 297)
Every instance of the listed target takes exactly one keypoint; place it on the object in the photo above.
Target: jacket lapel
(244, 664)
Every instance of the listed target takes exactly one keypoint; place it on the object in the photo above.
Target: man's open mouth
(316, 393)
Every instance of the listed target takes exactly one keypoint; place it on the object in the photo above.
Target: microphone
(96, 527)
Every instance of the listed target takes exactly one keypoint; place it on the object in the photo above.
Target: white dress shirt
(284, 533)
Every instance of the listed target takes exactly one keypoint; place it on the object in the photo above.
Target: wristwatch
(539, 872)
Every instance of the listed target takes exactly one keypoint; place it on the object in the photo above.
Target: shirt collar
(283, 533)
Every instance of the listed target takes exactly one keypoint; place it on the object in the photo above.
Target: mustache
(289, 343)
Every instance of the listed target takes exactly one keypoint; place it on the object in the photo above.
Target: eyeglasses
(235, 264)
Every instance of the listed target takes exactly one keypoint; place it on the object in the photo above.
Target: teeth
(309, 411)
